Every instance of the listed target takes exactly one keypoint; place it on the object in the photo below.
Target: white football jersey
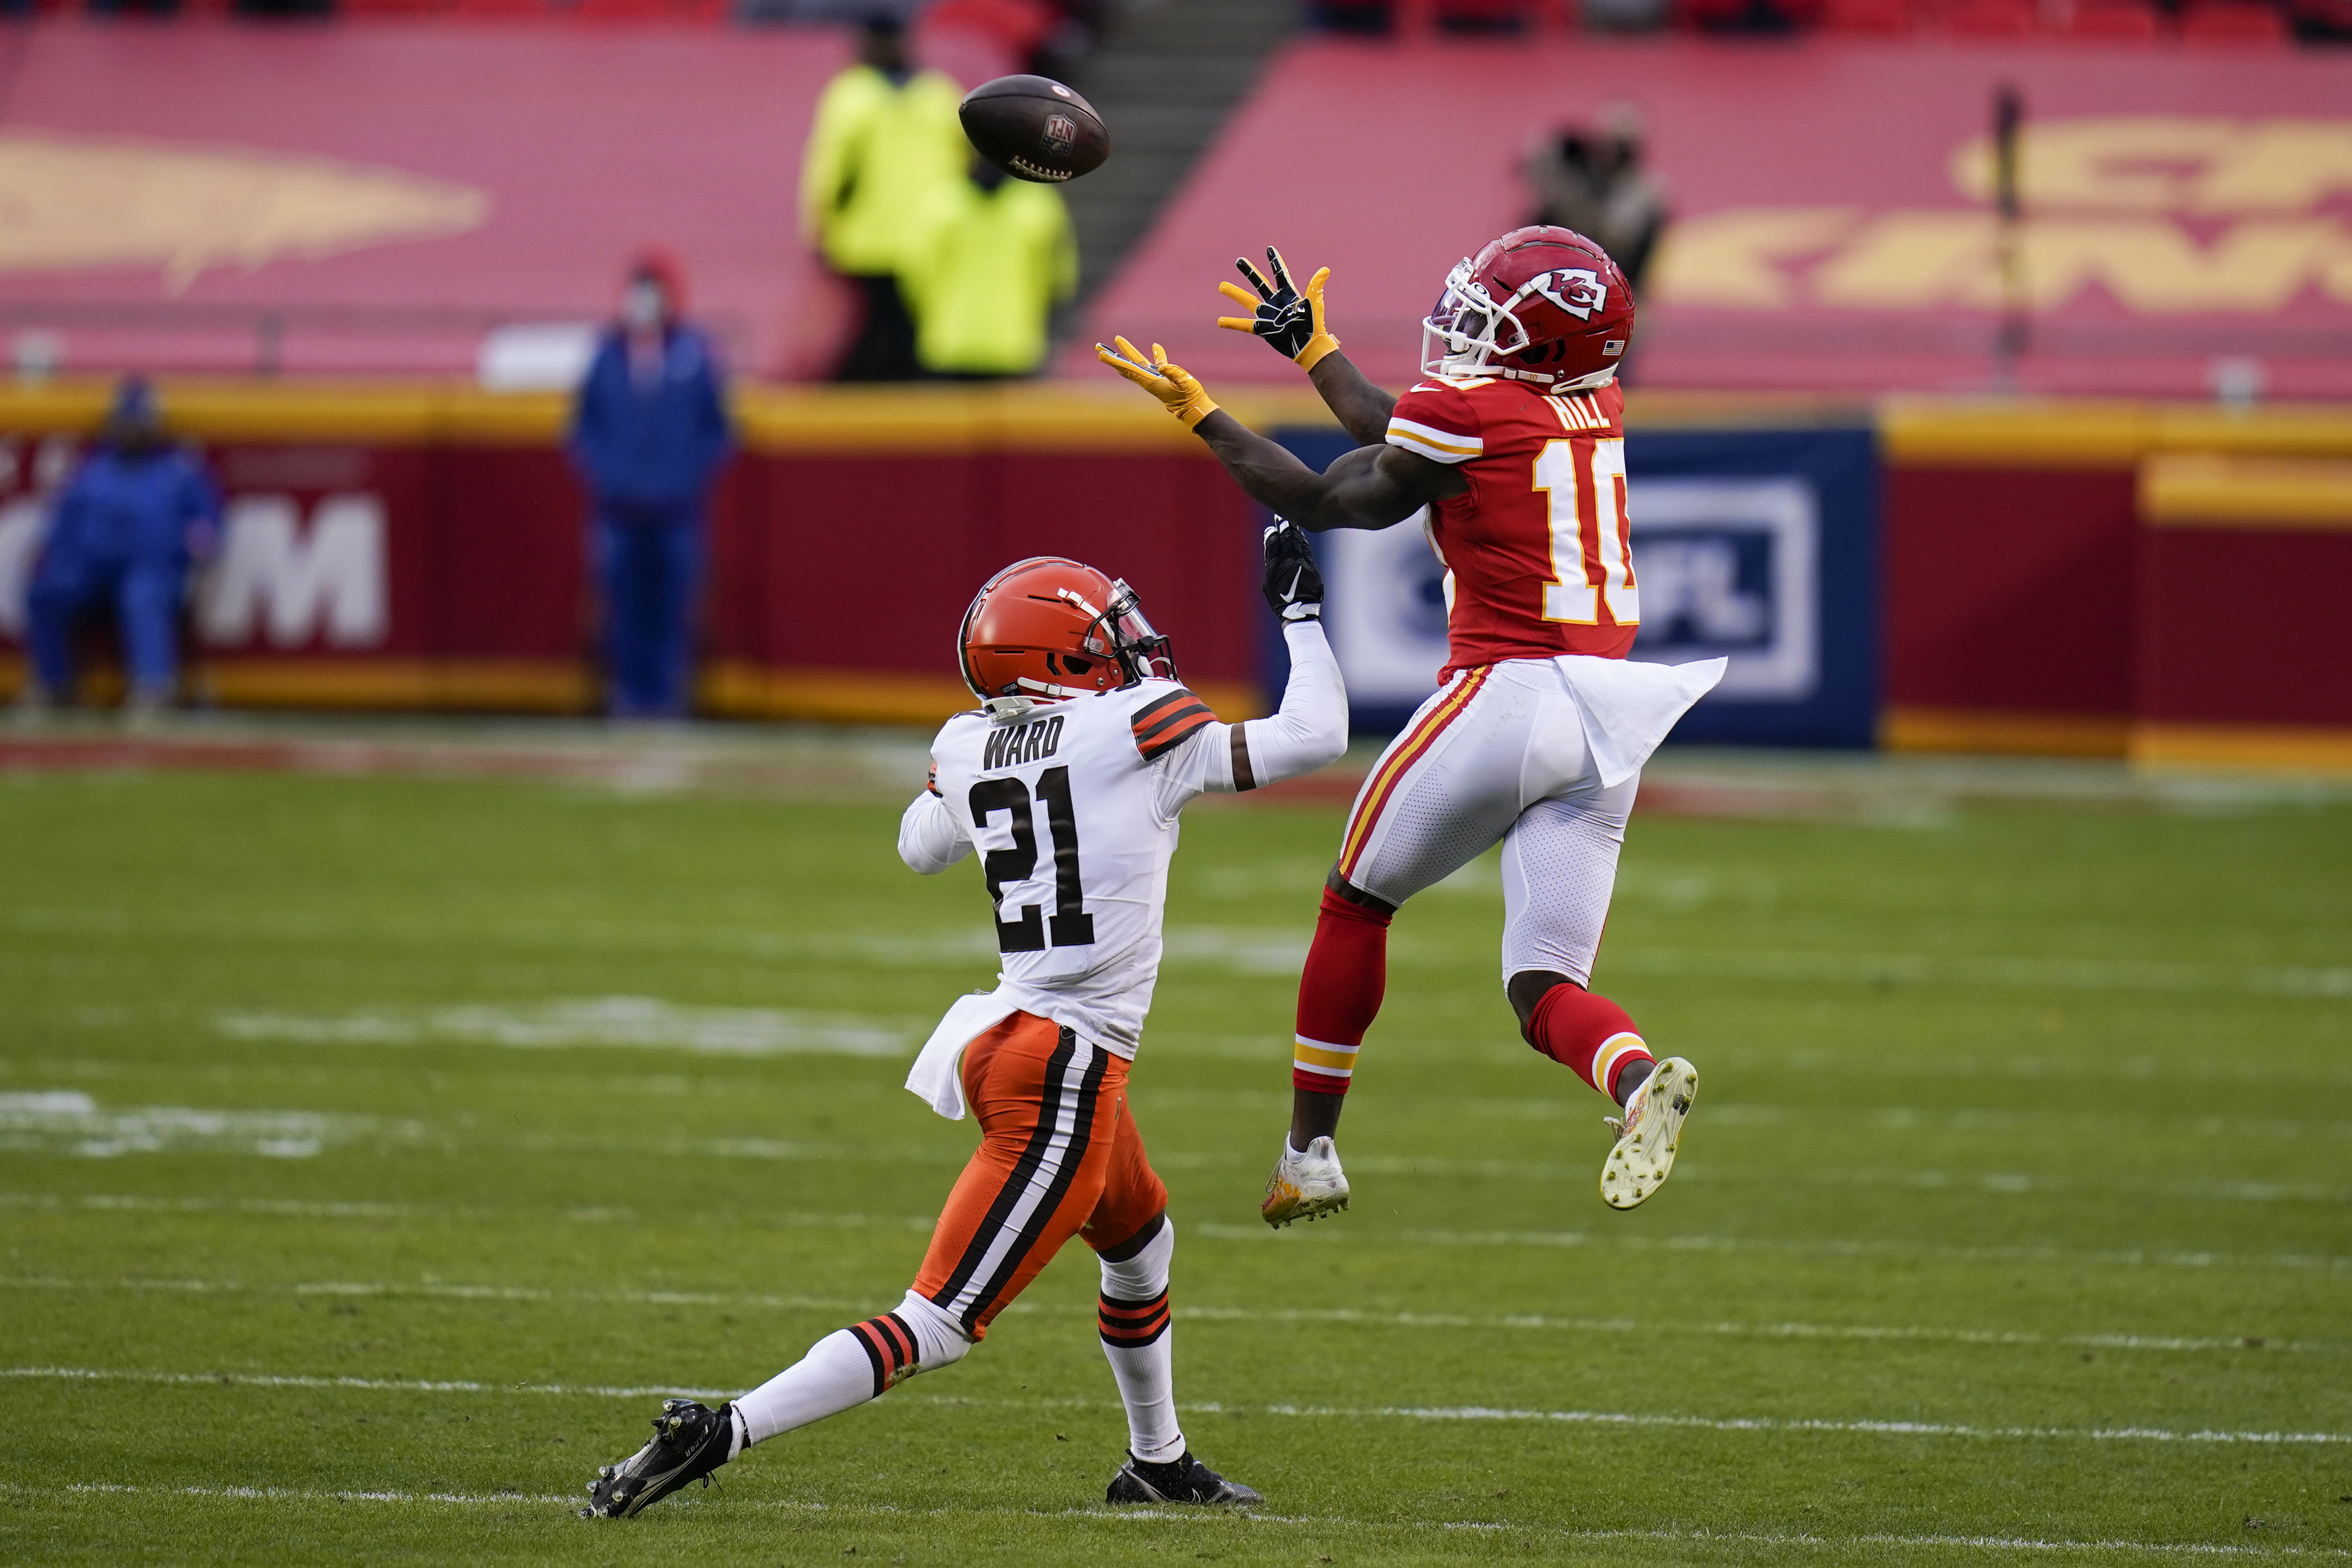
(1073, 808)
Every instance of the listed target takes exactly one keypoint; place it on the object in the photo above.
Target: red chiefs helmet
(1049, 628)
(1542, 304)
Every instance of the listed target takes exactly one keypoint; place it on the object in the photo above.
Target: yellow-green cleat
(1648, 1136)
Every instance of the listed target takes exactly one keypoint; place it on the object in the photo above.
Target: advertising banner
(439, 562)
(1759, 546)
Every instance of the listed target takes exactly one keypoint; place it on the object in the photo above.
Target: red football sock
(1339, 993)
(1589, 1035)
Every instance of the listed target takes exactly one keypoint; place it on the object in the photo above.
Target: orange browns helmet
(1050, 627)
(1542, 304)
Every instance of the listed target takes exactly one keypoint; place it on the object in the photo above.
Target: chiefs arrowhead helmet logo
(1579, 291)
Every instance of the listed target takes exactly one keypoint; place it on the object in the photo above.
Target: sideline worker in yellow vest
(996, 254)
(886, 138)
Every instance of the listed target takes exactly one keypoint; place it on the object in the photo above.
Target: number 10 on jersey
(1566, 472)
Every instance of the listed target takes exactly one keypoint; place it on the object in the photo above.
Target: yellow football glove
(1171, 384)
(1291, 321)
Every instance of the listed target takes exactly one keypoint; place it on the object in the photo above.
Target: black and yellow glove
(1290, 319)
(1171, 384)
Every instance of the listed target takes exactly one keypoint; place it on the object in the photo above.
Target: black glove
(1293, 588)
(1290, 319)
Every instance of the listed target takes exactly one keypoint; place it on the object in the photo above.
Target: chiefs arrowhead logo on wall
(68, 202)
(1579, 291)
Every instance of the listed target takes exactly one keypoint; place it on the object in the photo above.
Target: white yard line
(2060, 1257)
(285, 1494)
(375, 1384)
(1399, 1413)
(104, 1203)
(1446, 1322)
(2132, 1257)
(1775, 1424)
(1999, 1543)
(1239, 947)
(1926, 1542)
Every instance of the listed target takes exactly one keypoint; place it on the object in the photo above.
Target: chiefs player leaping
(1515, 446)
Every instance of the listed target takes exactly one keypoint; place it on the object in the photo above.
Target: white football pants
(1499, 754)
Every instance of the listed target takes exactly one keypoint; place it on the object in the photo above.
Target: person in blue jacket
(130, 520)
(649, 432)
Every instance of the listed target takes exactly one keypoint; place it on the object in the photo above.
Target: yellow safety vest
(875, 154)
(989, 268)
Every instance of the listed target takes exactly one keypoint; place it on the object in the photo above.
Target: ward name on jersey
(1538, 550)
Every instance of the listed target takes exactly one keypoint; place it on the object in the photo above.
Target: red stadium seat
(373, 9)
(2112, 19)
(1711, 14)
(1021, 25)
(624, 12)
(502, 10)
(2321, 20)
(1993, 19)
(1480, 16)
(1879, 17)
(2234, 21)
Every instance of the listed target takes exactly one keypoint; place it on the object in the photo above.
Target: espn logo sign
(291, 585)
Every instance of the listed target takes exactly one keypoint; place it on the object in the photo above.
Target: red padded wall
(2010, 590)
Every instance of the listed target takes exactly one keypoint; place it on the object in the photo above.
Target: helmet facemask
(1467, 330)
(1142, 653)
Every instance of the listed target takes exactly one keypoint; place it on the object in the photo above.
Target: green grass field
(373, 1149)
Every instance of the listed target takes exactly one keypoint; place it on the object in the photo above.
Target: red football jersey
(1537, 553)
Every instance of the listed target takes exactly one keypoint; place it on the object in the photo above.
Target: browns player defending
(1515, 447)
(1069, 779)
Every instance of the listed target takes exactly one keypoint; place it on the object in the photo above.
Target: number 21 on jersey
(1567, 471)
(1071, 925)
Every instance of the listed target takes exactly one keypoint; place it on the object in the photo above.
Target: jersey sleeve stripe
(1443, 445)
(1145, 713)
(1173, 732)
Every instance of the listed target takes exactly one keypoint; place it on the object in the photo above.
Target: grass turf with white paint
(369, 1146)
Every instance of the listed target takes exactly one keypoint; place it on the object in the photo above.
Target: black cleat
(1181, 1481)
(690, 1442)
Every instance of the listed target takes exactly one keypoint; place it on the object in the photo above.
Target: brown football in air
(1034, 127)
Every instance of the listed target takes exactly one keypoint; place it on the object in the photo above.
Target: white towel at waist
(936, 1077)
(1628, 707)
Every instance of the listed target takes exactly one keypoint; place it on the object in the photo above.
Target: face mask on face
(642, 307)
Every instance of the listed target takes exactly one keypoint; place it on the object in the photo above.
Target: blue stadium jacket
(656, 447)
(117, 508)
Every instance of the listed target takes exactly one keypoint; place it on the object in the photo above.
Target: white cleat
(1649, 1135)
(1305, 1185)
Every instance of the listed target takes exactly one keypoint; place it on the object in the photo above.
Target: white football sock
(850, 1366)
(1140, 1341)
(833, 1377)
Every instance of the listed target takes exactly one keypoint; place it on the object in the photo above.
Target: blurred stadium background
(400, 1072)
(1921, 501)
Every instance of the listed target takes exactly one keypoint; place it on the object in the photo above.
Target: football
(1034, 127)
